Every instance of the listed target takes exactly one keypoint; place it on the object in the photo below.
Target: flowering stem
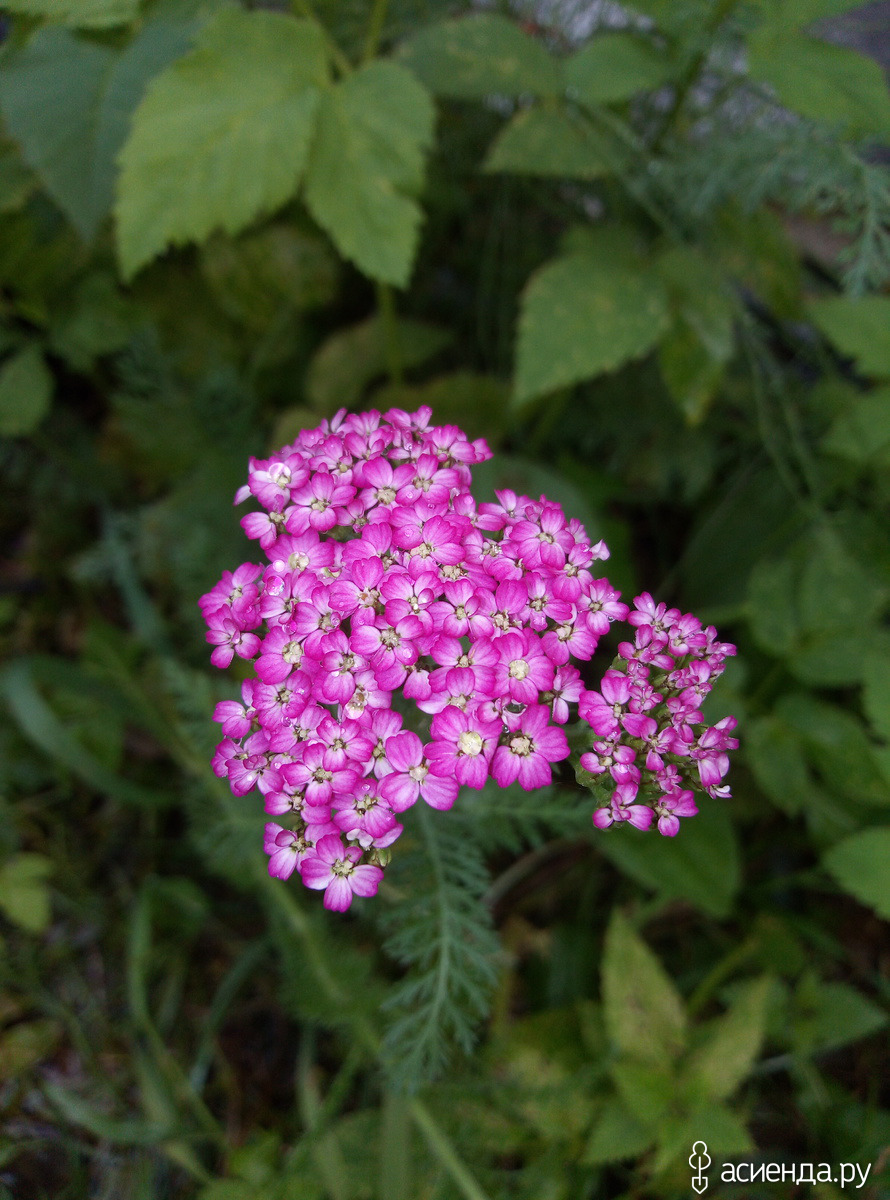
(436, 1137)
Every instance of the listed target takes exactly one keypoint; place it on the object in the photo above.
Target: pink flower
(337, 870)
(532, 746)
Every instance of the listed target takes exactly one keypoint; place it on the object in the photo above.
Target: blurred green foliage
(646, 261)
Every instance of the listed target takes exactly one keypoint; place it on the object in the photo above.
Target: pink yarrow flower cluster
(407, 642)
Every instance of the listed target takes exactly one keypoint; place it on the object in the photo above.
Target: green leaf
(861, 434)
(367, 165)
(794, 14)
(88, 14)
(475, 56)
(717, 1067)
(859, 864)
(17, 181)
(838, 745)
(701, 864)
(644, 1013)
(614, 67)
(222, 135)
(68, 102)
(100, 320)
(617, 1135)
(26, 390)
(646, 1091)
(827, 1015)
(550, 141)
(859, 328)
(24, 894)
(820, 80)
(350, 359)
(442, 932)
(23, 1046)
(581, 316)
(775, 754)
(690, 373)
(42, 726)
(713, 1124)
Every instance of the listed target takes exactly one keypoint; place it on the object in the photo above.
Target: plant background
(644, 250)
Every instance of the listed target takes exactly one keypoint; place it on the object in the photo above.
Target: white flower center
(470, 742)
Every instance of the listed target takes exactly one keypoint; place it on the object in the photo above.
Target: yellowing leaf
(582, 315)
(478, 55)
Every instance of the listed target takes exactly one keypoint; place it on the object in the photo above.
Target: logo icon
(699, 1160)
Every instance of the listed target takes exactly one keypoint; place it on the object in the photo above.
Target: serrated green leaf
(717, 1067)
(350, 359)
(87, 14)
(222, 135)
(26, 390)
(582, 316)
(862, 433)
(478, 55)
(714, 1124)
(646, 1091)
(366, 167)
(820, 80)
(550, 141)
(858, 327)
(24, 893)
(643, 1011)
(617, 1135)
(68, 102)
(827, 1015)
(859, 864)
(701, 864)
(615, 66)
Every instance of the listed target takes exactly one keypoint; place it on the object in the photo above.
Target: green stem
(444, 1151)
(375, 29)
(303, 8)
(437, 1139)
(390, 323)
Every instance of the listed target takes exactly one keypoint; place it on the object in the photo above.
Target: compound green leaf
(644, 1013)
(550, 141)
(581, 316)
(367, 165)
(820, 80)
(222, 135)
(617, 1135)
(859, 864)
(827, 1015)
(475, 56)
(859, 328)
(26, 389)
(68, 102)
(88, 14)
(614, 67)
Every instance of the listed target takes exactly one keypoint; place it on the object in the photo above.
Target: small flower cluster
(389, 596)
(651, 708)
